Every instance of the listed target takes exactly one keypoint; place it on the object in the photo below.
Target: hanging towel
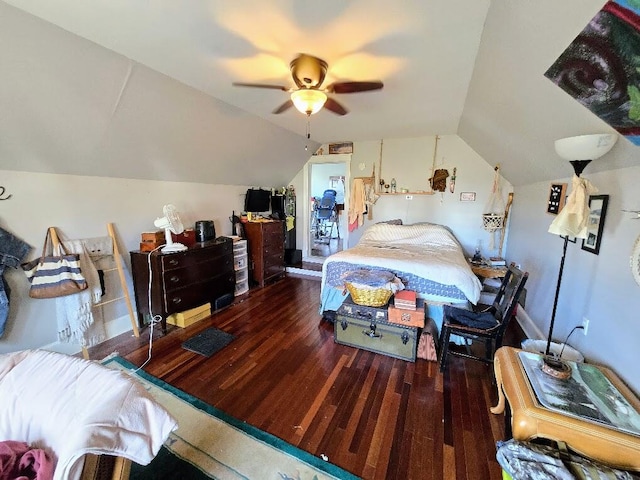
(572, 219)
(357, 204)
(78, 321)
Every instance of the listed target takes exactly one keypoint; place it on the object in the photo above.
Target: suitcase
(367, 328)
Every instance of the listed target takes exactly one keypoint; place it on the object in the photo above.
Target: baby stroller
(325, 217)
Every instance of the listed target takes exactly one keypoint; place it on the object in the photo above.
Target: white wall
(410, 162)
(599, 287)
(81, 207)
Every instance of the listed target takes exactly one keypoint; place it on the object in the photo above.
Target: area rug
(211, 444)
(208, 341)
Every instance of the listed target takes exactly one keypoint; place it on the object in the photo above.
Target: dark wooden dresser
(266, 250)
(184, 280)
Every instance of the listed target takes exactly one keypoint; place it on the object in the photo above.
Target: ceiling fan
(308, 96)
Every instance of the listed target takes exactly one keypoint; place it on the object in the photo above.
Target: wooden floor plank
(375, 416)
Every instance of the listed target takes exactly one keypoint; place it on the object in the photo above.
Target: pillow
(397, 221)
(73, 406)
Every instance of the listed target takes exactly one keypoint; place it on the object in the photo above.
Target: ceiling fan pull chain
(306, 147)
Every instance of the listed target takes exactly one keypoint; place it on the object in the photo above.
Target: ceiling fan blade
(260, 85)
(354, 87)
(285, 106)
(335, 107)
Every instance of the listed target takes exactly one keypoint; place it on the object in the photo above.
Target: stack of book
(405, 300)
(496, 261)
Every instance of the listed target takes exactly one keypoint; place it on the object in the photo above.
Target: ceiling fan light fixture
(308, 101)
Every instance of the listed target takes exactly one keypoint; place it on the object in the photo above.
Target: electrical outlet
(408, 197)
(585, 325)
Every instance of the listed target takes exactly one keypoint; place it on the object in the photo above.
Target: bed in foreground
(425, 256)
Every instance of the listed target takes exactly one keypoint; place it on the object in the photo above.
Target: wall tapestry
(601, 67)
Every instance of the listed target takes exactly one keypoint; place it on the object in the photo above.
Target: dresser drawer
(192, 295)
(203, 271)
(193, 257)
(276, 259)
(274, 238)
(272, 270)
(273, 250)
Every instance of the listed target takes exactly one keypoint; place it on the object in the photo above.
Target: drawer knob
(173, 262)
(174, 278)
(176, 300)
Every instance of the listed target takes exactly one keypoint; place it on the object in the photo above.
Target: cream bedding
(426, 250)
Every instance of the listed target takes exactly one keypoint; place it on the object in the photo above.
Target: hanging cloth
(493, 216)
(357, 204)
(572, 219)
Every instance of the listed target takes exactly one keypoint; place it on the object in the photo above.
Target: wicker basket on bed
(370, 297)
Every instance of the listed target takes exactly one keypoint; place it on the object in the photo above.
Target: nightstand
(487, 271)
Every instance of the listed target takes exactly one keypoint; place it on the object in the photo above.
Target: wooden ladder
(123, 283)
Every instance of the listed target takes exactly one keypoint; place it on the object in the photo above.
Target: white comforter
(73, 406)
(426, 250)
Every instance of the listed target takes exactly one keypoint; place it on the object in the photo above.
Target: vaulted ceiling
(468, 67)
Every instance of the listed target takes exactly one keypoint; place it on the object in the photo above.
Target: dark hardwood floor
(375, 416)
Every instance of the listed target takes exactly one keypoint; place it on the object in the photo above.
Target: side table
(488, 271)
(610, 435)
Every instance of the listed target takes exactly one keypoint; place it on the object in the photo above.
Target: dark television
(257, 200)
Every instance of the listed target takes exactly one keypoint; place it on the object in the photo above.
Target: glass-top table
(587, 394)
(593, 411)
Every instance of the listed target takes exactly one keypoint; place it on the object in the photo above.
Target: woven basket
(370, 297)
(492, 221)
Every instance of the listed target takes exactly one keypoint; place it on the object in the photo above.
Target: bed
(426, 257)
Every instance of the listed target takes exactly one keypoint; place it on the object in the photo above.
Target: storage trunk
(366, 327)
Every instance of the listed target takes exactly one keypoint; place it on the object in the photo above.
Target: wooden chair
(487, 326)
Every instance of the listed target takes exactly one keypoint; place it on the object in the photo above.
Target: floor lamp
(572, 219)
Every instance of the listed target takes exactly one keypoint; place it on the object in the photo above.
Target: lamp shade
(585, 147)
(308, 101)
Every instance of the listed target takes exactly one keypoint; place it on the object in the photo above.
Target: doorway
(326, 231)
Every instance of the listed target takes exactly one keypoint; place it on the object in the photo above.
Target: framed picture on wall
(344, 147)
(595, 223)
(557, 197)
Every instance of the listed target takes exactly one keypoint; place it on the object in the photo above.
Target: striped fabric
(55, 276)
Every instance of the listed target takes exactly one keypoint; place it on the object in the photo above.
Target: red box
(408, 318)
(187, 238)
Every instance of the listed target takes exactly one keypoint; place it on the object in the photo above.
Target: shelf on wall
(406, 193)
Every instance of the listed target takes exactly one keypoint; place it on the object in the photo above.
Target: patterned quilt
(426, 257)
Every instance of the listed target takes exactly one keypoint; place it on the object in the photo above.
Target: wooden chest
(361, 327)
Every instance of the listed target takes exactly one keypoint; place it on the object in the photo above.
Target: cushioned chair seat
(482, 320)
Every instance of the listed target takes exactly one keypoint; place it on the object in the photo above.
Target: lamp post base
(555, 368)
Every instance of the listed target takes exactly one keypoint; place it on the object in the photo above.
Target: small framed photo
(467, 196)
(557, 197)
(344, 147)
(595, 223)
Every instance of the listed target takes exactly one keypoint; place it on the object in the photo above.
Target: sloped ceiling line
(127, 76)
